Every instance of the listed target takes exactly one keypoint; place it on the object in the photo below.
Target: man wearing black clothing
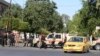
(3, 38)
(12, 39)
(31, 41)
(43, 42)
(25, 40)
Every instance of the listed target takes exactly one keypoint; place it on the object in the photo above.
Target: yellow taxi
(77, 44)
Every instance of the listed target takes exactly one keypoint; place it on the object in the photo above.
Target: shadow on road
(78, 52)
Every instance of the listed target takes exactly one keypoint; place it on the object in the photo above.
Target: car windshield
(76, 39)
(50, 36)
(58, 36)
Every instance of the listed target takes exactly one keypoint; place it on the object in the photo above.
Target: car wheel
(35, 45)
(88, 50)
(97, 47)
(65, 51)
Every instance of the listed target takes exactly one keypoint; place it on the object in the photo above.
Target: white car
(59, 39)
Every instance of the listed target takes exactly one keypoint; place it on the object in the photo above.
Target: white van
(59, 39)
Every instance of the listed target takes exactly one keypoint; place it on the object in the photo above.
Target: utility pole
(8, 25)
(10, 17)
(9, 22)
(10, 4)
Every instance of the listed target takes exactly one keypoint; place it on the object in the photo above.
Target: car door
(87, 44)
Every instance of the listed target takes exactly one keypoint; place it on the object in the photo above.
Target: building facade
(98, 4)
(3, 6)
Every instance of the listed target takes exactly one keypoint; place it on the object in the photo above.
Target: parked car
(77, 44)
(95, 43)
(57, 38)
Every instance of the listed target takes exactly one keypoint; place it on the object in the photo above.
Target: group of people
(7, 39)
(28, 42)
(11, 39)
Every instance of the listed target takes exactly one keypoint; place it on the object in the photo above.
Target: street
(27, 51)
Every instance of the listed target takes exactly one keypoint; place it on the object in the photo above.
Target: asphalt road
(27, 51)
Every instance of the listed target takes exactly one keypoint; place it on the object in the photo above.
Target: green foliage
(74, 24)
(37, 16)
(66, 21)
(15, 23)
(24, 26)
(42, 14)
(5, 22)
(1, 24)
(43, 31)
(87, 20)
(12, 19)
(15, 11)
(8, 23)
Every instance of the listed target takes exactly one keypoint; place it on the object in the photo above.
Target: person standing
(2, 41)
(31, 40)
(53, 42)
(17, 36)
(43, 44)
(5, 38)
(25, 40)
(12, 39)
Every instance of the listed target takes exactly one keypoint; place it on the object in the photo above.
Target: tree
(74, 24)
(24, 26)
(66, 21)
(14, 23)
(13, 19)
(42, 15)
(88, 18)
(15, 11)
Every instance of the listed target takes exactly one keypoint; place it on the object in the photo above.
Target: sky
(68, 7)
